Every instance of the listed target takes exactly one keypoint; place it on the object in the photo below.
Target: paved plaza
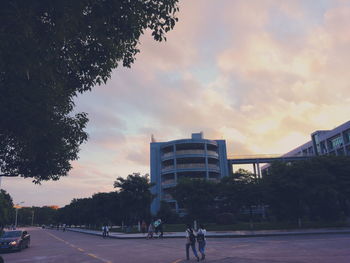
(52, 246)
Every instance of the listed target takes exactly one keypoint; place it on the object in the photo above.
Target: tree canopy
(197, 196)
(135, 196)
(50, 51)
(6, 208)
(130, 203)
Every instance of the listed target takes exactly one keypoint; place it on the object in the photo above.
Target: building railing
(185, 152)
(212, 153)
(181, 152)
(213, 166)
(190, 166)
(170, 181)
(168, 168)
(168, 154)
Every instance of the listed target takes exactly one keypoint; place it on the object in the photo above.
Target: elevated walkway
(264, 158)
(258, 159)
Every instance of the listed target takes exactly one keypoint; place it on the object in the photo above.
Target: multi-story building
(186, 158)
(323, 142)
(326, 142)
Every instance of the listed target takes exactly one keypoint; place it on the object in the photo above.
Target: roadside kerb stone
(223, 234)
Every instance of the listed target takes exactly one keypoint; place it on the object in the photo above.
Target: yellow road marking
(80, 249)
(92, 255)
(57, 238)
(176, 261)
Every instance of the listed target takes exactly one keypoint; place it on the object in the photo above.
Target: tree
(166, 213)
(45, 215)
(50, 51)
(6, 208)
(197, 196)
(135, 197)
(239, 191)
(316, 189)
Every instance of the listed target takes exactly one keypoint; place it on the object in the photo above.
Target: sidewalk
(225, 234)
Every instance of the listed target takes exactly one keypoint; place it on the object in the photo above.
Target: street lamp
(33, 217)
(17, 206)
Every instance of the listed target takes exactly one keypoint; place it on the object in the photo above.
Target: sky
(261, 74)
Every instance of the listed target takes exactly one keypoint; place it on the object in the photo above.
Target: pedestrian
(64, 227)
(104, 231)
(1, 259)
(150, 231)
(191, 242)
(143, 227)
(201, 240)
(160, 228)
(156, 226)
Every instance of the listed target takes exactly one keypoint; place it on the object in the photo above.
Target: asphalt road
(52, 246)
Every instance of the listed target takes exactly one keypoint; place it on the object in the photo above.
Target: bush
(225, 219)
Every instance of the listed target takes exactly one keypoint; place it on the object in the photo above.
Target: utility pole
(33, 217)
(17, 206)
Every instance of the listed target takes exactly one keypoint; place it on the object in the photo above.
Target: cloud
(260, 74)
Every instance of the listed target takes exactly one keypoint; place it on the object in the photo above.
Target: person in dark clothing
(160, 228)
(190, 242)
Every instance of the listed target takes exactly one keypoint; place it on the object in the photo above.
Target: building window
(347, 136)
(336, 142)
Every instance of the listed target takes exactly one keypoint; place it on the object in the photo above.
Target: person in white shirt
(191, 242)
(201, 240)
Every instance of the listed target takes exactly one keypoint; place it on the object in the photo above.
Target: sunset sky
(260, 74)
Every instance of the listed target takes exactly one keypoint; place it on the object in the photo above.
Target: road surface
(52, 246)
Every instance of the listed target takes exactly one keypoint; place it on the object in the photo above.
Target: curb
(226, 235)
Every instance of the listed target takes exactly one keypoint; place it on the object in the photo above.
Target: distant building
(186, 158)
(323, 142)
(326, 142)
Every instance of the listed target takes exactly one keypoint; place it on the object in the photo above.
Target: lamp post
(17, 206)
(33, 217)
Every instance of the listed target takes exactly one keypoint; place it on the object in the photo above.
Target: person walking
(190, 242)
(143, 227)
(201, 240)
(150, 231)
(160, 228)
(156, 226)
(105, 231)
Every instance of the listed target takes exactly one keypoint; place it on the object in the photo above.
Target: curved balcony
(190, 152)
(168, 168)
(212, 153)
(168, 154)
(191, 166)
(213, 166)
(168, 182)
(184, 152)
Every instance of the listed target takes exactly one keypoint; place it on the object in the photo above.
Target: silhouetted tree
(50, 51)
(197, 196)
(6, 208)
(135, 197)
